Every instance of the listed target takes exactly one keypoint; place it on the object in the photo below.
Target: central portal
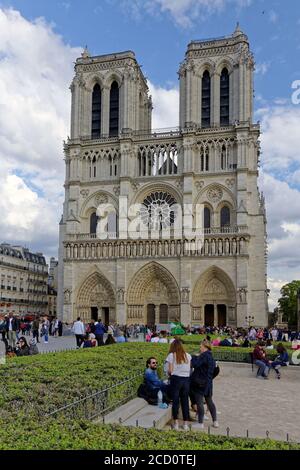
(153, 296)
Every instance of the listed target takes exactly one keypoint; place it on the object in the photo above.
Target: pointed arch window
(204, 159)
(223, 158)
(93, 223)
(114, 109)
(205, 106)
(224, 98)
(207, 217)
(96, 112)
(225, 216)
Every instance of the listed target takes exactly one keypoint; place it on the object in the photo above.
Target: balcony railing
(230, 244)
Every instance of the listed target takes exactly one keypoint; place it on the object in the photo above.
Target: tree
(288, 302)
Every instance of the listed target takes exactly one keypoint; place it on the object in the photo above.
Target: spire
(85, 54)
(237, 30)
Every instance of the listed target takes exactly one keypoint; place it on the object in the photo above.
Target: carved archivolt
(153, 280)
(213, 284)
(96, 290)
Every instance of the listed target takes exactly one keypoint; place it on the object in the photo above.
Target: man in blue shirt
(153, 382)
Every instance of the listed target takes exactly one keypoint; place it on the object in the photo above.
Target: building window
(207, 217)
(93, 223)
(96, 112)
(204, 157)
(205, 107)
(114, 109)
(224, 98)
(225, 216)
(223, 156)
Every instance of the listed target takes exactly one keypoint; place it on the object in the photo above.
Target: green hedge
(84, 435)
(49, 381)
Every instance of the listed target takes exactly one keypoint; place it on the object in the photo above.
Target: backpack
(216, 371)
(143, 393)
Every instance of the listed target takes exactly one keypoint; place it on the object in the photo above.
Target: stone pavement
(247, 403)
(59, 343)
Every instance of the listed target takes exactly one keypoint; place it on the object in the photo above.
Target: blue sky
(36, 68)
(273, 27)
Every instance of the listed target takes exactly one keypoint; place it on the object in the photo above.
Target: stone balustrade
(225, 245)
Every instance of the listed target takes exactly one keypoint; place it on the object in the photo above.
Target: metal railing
(99, 403)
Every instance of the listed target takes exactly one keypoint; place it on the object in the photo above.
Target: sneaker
(215, 424)
(175, 427)
(198, 426)
(206, 418)
(278, 376)
(185, 427)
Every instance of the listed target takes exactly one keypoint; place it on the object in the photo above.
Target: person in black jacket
(12, 326)
(202, 383)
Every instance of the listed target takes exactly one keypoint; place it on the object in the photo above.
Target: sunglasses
(154, 363)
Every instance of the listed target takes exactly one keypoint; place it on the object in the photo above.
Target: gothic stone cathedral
(211, 159)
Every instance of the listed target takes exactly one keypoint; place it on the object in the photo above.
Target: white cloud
(273, 16)
(183, 12)
(35, 72)
(262, 68)
(165, 106)
(281, 137)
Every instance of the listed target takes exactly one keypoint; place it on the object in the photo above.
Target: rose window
(156, 211)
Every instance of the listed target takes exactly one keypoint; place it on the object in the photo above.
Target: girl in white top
(179, 368)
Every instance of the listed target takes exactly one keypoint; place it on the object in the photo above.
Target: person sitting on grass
(110, 339)
(282, 360)
(22, 348)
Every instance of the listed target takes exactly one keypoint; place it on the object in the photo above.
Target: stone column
(105, 110)
(215, 314)
(215, 98)
(156, 314)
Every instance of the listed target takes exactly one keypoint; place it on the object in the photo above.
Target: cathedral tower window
(204, 160)
(114, 109)
(223, 156)
(93, 223)
(205, 106)
(96, 112)
(224, 98)
(207, 217)
(225, 216)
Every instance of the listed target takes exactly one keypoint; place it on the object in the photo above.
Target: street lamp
(249, 319)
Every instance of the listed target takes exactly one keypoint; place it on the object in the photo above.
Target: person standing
(12, 326)
(79, 332)
(179, 369)
(99, 332)
(60, 328)
(45, 329)
(202, 383)
(35, 329)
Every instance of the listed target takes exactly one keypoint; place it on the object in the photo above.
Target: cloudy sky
(39, 41)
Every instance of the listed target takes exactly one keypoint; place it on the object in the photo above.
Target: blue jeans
(277, 364)
(263, 368)
(180, 387)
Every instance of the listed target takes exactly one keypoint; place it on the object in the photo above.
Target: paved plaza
(247, 403)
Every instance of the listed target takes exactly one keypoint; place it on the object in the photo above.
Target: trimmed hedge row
(88, 436)
(48, 381)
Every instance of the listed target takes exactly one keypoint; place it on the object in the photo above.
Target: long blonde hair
(177, 349)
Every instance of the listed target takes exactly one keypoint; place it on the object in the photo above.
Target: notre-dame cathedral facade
(114, 159)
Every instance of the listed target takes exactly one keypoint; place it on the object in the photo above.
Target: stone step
(124, 412)
(150, 416)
